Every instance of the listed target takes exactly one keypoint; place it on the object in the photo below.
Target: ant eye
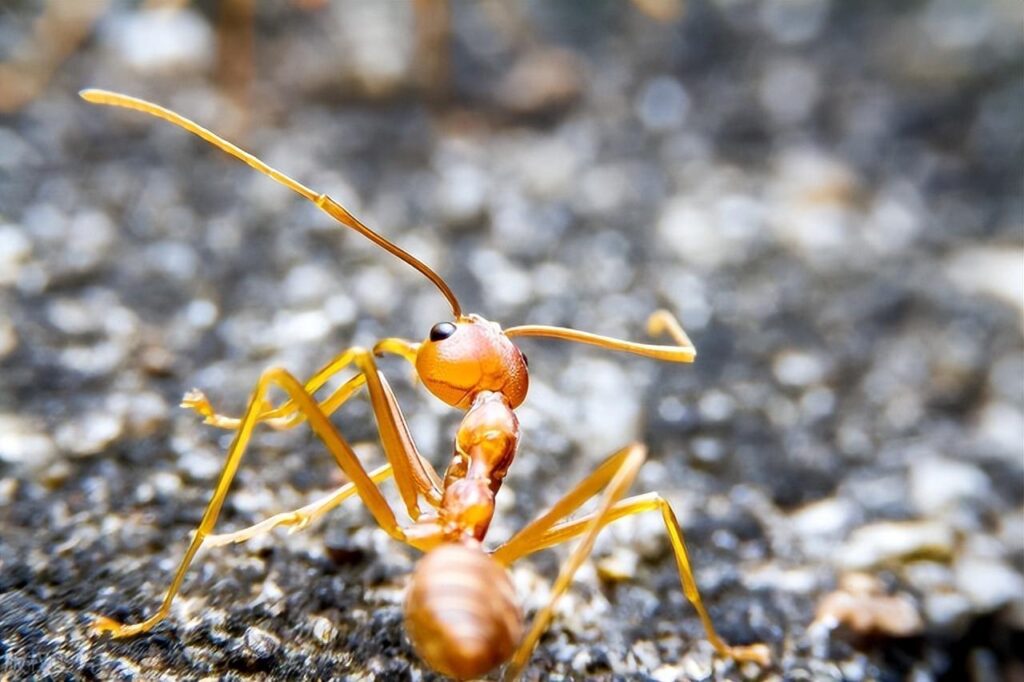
(441, 331)
(525, 360)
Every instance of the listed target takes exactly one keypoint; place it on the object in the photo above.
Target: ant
(460, 609)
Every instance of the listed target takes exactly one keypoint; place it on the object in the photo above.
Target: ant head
(460, 359)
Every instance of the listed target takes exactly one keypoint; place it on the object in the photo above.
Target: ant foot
(196, 400)
(754, 653)
(295, 520)
(657, 322)
(102, 625)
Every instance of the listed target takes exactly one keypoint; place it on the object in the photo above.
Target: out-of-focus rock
(938, 485)
(15, 249)
(811, 205)
(819, 526)
(662, 104)
(789, 90)
(543, 81)
(895, 542)
(798, 368)
(618, 566)
(376, 39)
(90, 433)
(1000, 426)
(160, 40)
(989, 583)
(665, 11)
(861, 603)
(8, 338)
(23, 441)
(990, 271)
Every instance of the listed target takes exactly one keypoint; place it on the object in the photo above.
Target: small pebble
(990, 271)
(662, 104)
(463, 194)
(791, 23)
(668, 673)
(789, 90)
(257, 648)
(798, 368)
(23, 441)
(938, 485)
(8, 488)
(618, 566)
(990, 584)
(15, 250)
(1000, 425)
(823, 518)
(89, 434)
(895, 541)
(716, 406)
(160, 40)
(377, 44)
(8, 338)
(947, 610)
(543, 81)
(323, 630)
(862, 604)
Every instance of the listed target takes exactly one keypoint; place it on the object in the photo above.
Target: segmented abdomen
(461, 611)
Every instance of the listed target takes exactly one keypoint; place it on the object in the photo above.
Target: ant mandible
(460, 609)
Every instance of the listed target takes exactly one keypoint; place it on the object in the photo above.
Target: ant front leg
(615, 476)
(339, 448)
(286, 416)
(413, 474)
(428, 484)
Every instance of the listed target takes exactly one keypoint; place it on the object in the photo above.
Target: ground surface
(828, 194)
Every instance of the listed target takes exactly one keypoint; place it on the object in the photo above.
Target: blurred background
(828, 194)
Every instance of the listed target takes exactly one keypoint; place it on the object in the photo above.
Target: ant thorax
(484, 449)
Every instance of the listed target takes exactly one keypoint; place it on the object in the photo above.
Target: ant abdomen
(461, 611)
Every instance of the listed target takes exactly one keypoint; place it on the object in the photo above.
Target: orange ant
(460, 610)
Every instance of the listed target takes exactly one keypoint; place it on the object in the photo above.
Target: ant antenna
(322, 201)
(660, 322)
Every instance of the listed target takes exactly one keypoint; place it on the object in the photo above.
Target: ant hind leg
(615, 475)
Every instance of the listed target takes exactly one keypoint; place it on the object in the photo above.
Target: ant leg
(615, 476)
(413, 474)
(286, 416)
(300, 518)
(549, 530)
(280, 418)
(336, 445)
(524, 541)
(639, 504)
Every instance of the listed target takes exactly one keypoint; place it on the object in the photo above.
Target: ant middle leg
(615, 476)
(300, 518)
(339, 448)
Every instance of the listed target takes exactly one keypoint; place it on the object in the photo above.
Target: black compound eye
(441, 331)
(525, 360)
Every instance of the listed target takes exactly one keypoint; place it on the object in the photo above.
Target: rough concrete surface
(827, 193)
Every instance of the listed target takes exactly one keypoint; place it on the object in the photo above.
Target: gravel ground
(827, 193)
